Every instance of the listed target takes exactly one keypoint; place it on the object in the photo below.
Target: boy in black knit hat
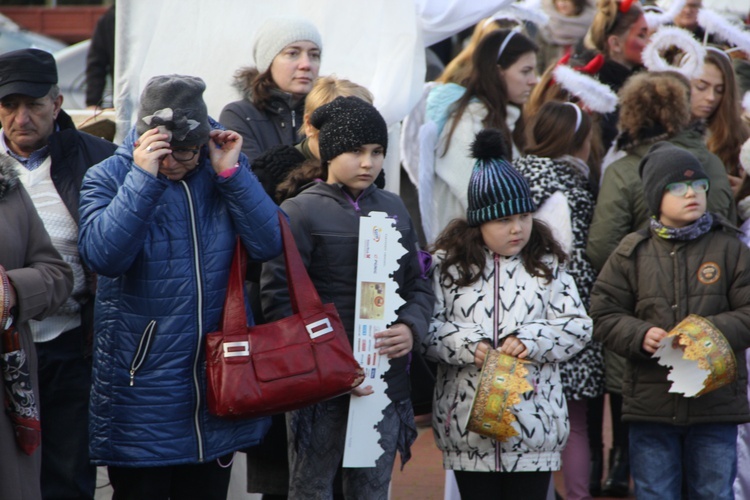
(324, 219)
(688, 262)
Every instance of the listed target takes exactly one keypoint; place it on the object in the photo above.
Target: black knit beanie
(175, 104)
(347, 123)
(664, 164)
(496, 189)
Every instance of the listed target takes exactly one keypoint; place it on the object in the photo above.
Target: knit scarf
(566, 30)
(686, 233)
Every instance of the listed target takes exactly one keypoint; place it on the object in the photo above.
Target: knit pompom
(489, 145)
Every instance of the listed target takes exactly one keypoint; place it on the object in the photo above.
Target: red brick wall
(70, 24)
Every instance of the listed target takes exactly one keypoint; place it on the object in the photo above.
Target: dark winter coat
(325, 224)
(42, 281)
(621, 209)
(261, 129)
(100, 61)
(614, 75)
(72, 153)
(163, 251)
(650, 281)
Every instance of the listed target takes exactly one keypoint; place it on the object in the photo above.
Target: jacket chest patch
(709, 273)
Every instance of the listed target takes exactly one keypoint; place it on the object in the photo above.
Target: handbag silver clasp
(323, 325)
(234, 349)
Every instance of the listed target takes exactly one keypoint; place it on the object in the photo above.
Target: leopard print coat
(583, 375)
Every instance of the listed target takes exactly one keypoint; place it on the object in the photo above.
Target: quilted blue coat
(163, 250)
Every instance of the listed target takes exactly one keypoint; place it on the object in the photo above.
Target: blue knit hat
(496, 189)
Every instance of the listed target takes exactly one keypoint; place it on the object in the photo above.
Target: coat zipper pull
(144, 345)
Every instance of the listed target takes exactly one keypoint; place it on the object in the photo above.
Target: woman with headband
(559, 142)
(503, 73)
(620, 33)
(458, 69)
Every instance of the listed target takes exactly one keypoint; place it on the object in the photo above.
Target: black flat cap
(30, 72)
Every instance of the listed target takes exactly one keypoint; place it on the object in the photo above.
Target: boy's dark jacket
(650, 281)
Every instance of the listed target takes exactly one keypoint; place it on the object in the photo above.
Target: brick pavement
(423, 478)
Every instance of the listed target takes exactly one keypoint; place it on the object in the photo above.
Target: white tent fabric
(376, 44)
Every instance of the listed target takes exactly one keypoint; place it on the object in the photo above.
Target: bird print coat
(550, 320)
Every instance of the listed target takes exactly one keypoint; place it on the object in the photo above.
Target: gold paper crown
(501, 383)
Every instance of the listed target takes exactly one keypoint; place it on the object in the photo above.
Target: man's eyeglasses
(183, 155)
(681, 188)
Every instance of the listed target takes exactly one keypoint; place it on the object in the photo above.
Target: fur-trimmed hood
(243, 81)
(8, 175)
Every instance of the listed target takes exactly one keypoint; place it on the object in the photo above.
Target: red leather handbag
(281, 366)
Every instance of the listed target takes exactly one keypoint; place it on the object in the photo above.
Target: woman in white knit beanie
(286, 52)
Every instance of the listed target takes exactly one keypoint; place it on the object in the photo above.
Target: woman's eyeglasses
(681, 188)
(183, 155)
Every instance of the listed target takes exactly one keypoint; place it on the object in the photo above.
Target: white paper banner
(376, 306)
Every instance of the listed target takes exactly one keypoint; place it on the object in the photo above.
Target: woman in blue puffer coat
(159, 222)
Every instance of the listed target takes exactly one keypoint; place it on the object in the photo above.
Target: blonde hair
(608, 21)
(546, 90)
(328, 88)
(458, 70)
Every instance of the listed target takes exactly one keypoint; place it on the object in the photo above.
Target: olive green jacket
(621, 209)
(652, 282)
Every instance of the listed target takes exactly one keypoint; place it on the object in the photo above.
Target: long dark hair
(727, 131)
(486, 84)
(262, 86)
(465, 250)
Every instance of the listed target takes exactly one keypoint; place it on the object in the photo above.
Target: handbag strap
(302, 294)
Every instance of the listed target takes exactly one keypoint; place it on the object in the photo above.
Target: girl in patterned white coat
(499, 283)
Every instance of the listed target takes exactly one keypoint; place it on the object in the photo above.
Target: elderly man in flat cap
(51, 158)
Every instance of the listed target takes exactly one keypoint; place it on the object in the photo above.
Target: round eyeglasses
(183, 155)
(681, 188)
